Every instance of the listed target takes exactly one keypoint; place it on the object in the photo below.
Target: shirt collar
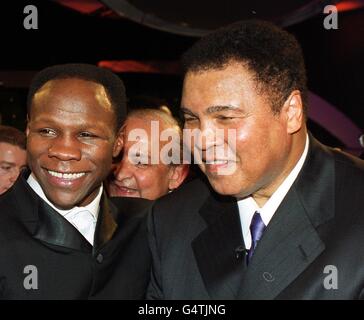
(277, 197)
(248, 206)
(93, 207)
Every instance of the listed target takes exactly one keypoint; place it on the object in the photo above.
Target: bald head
(146, 169)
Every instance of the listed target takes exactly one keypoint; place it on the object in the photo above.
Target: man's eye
(47, 132)
(5, 168)
(189, 119)
(140, 164)
(224, 118)
(139, 161)
(87, 135)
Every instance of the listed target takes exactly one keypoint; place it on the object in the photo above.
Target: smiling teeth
(70, 176)
(217, 162)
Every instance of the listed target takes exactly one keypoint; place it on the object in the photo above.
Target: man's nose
(124, 169)
(65, 149)
(210, 137)
(14, 175)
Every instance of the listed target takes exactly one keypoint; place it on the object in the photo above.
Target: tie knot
(83, 219)
(257, 227)
(78, 214)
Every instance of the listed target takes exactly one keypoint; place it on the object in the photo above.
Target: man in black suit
(60, 236)
(281, 216)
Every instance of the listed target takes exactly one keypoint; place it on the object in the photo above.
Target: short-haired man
(60, 236)
(135, 175)
(284, 218)
(12, 156)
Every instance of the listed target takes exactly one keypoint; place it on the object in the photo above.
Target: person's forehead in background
(152, 125)
(12, 154)
(12, 161)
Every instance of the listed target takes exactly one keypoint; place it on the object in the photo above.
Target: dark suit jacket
(315, 238)
(68, 267)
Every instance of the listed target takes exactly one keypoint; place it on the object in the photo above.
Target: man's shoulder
(11, 224)
(176, 217)
(179, 210)
(7, 204)
(348, 161)
(349, 175)
(349, 185)
(131, 207)
(346, 165)
(190, 195)
(18, 198)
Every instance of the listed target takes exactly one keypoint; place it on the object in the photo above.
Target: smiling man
(58, 220)
(144, 179)
(281, 219)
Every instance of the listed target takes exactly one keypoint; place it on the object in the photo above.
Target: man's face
(71, 140)
(12, 161)
(140, 180)
(228, 99)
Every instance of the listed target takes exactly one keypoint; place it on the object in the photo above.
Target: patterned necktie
(257, 228)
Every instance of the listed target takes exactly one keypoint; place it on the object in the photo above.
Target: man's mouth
(121, 189)
(126, 189)
(216, 162)
(220, 166)
(66, 175)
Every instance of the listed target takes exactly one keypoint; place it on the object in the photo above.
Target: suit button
(268, 277)
(100, 258)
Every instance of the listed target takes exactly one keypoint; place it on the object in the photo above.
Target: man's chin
(223, 186)
(65, 201)
(63, 205)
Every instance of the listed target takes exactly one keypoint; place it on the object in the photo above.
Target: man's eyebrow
(214, 109)
(185, 110)
(218, 108)
(8, 163)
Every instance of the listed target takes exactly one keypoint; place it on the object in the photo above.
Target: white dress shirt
(82, 218)
(248, 206)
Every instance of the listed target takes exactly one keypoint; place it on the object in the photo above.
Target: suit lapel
(214, 248)
(106, 223)
(54, 229)
(43, 222)
(291, 242)
(47, 225)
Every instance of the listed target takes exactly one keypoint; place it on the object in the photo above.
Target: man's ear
(118, 145)
(27, 128)
(178, 174)
(293, 110)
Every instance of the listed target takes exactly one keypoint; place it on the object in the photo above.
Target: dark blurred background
(143, 40)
